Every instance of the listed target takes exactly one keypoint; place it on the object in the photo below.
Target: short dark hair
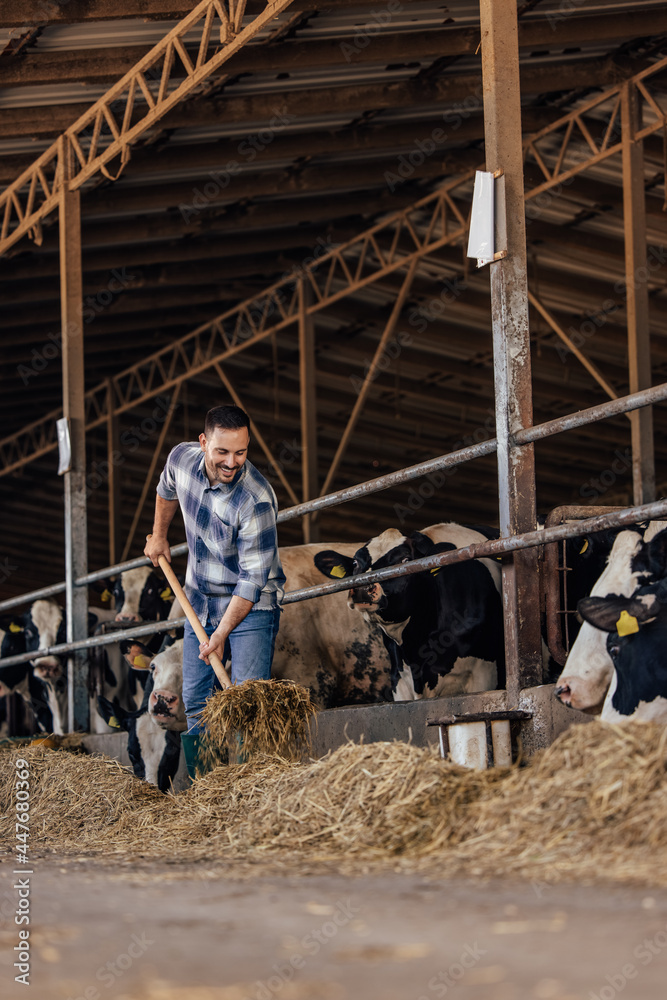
(229, 417)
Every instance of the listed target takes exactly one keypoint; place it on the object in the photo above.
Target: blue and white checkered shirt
(231, 533)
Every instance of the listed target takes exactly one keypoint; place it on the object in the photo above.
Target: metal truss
(173, 69)
(552, 149)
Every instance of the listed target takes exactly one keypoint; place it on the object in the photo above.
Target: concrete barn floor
(163, 932)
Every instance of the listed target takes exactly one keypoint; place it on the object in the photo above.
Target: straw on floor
(592, 806)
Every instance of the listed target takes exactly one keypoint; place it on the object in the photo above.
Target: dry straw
(257, 717)
(592, 806)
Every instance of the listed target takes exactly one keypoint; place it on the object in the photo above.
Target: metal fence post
(76, 532)
(511, 344)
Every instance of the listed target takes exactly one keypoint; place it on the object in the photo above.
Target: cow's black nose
(361, 595)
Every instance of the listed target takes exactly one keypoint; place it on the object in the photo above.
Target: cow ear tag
(166, 594)
(583, 549)
(113, 722)
(141, 662)
(435, 570)
(627, 624)
(105, 595)
(338, 571)
(16, 628)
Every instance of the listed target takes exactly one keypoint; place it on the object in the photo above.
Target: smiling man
(234, 579)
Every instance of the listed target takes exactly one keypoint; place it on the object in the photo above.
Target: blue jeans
(250, 646)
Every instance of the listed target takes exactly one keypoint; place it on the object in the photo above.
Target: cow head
(47, 628)
(12, 643)
(165, 703)
(388, 600)
(588, 670)
(165, 690)
(636, 637)
(141, 595)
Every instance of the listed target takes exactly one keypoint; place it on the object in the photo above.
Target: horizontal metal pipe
(571, 421)
(490, 549)
(148, 628)
(656, 394)
(83, 581)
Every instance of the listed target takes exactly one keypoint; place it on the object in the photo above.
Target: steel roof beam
(261, 108)
(91, 65)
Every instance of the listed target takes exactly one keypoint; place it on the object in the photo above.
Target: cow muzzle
(48, 668)
(569, 693)
(120, 617)
(367, 597)
(163, 705)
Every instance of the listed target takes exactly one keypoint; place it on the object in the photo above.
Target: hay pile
(257, 717)
(593, 805)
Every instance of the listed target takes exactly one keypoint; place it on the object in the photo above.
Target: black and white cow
(141, 595)
(635, 629)
(637, 558)
(154, 742)
(444, 628)
(20, 680)
(46, 626)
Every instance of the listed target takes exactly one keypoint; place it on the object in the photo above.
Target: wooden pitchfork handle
(197, 626)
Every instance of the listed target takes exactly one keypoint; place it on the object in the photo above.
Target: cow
(443, 629)
(636, 559)
(19, 679)
(635, 629)
(325, 646)
(154, 742)
(45, 626)
(141, 595)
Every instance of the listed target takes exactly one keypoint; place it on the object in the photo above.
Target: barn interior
(330, 120)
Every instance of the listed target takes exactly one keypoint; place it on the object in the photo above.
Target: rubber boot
(190, 744)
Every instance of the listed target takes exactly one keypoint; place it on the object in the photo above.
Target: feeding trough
(479, 740)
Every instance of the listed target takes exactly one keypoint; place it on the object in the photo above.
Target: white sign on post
(64, 446)
(481, 242)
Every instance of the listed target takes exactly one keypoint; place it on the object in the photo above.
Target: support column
(113, 451)
(511, 344)
(76, 532)
(636, 292)
(308, 411)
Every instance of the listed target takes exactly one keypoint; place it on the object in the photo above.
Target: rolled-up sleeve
(166, 488)
(257, 541)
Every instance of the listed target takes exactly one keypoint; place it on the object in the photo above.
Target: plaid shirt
(231, 533)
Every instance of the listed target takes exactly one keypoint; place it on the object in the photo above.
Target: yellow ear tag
(583, 547)
(338, 571)
(105, 595)
(16, 628)
(435, 570)
(166, 594)
(113, 722)
(627, 624)
(141, 662)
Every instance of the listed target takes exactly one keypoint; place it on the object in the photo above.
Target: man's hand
(157, 546)
(215, 644)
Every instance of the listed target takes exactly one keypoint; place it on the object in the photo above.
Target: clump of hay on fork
(257, 717)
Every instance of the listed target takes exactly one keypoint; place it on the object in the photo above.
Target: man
(234, 579)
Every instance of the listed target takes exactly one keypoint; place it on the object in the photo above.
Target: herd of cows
(426, 635)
